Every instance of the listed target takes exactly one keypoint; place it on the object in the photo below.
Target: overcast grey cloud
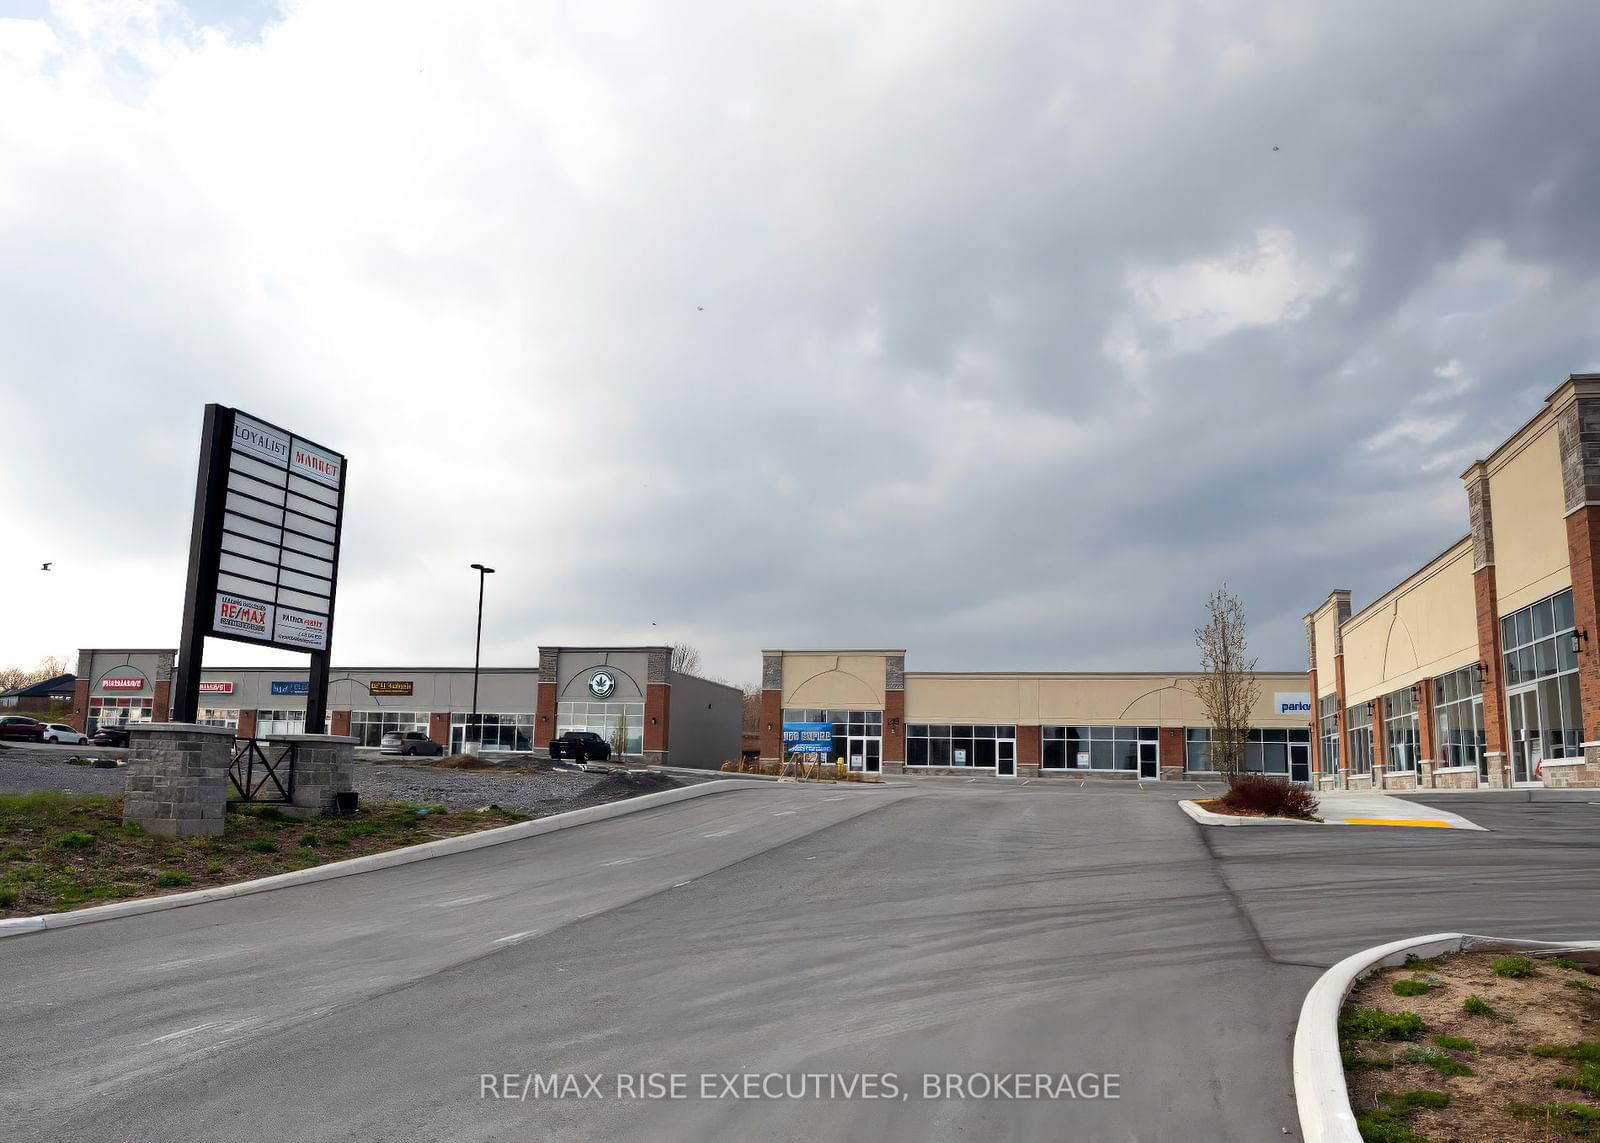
(1023, 325)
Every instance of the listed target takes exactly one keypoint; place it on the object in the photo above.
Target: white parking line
(181, 1032)
(681, 884)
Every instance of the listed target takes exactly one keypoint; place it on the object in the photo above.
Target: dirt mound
(461, 762)
(626, 783)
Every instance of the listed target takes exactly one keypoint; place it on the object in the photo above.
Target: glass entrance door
(1149, 761)
(1300, 762)
(1005, 759)
(864, 754)
(1523, 732)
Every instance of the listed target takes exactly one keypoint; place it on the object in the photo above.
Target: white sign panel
(236, 615)
(300, 630)
(280, 535)
(1083, 758)
(1292, 702)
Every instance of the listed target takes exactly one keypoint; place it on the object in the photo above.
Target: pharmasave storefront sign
(216, 687)
(122, 683)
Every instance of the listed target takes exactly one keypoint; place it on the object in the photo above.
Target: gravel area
(539, 792)
(22, 775)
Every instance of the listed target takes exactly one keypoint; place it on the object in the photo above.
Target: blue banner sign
(808, 738)
(291, 688)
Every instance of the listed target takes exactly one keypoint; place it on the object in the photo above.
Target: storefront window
(602, 718)
(508, 732)
(1093, 747)
(219, 716)
(371, 725)
(269, 722)
(1544, 717)
(1328, 729)
(939, 745)
(1401, 732)
(118, 712)
(1458, 720)
(857, 734)
(1358, 720)
(1266, 751)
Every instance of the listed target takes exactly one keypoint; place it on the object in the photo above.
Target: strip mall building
(1480, 669)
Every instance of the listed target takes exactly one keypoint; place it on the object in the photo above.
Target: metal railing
(258, 775)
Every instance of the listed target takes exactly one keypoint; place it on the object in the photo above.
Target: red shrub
(1276, 797)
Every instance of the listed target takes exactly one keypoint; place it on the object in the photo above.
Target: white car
(61, 732)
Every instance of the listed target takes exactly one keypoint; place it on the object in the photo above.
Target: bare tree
(752, 709)
(619, 735)
(686, 658)
(49, 667)
(1227, 686)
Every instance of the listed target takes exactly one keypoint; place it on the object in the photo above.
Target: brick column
(1174, 751)
(80, 704)
(1380, 745)
(439, 728)
(1578, 429)
(1028, 751)
(162, 710)
(545, 723)
(1486, 602)
(894, 716)
(770, 727)
(247, 724)
(177, 778)
(339, 723)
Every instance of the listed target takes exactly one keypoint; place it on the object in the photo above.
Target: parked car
(23, 727)
(110, 736)
(580, 746)
(61, 732)
(408, 742)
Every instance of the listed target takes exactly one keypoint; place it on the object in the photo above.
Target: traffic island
(1452, 1036)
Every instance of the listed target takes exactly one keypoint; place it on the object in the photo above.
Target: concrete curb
(1208, 817)
(1319, 1088)
(17, 926)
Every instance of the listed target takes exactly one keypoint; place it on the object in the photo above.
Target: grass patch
(1455, 1043)
(1376, 1024)
(1584, 1051)
(1566, 963)
(1418, 963)
(1390, 1121)
(65, 850)
(1514, 967)
(1441, 1062)
(1579, 1120)
(1476, 1006)
(1414, 987)
(1586, 1078)
(1581, 984)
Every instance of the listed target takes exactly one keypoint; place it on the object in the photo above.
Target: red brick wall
(770, 728)
(1028, 750)
(1172, 747)
(894, 729)
(657, 715)
(544, 705)
(338, 722)
(1380, 743)
(1426, 748)
(1344, 729)
(247, 724)
(1583, 549)
(162, 711)
(80, 704)
(439, 728)
(1494, 699)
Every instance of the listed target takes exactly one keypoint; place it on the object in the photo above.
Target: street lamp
(477, 654)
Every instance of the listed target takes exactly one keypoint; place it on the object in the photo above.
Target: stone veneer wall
(177, 778)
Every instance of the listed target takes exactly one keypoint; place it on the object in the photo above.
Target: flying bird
(46, 566)
(702, 309)
(1274, 148)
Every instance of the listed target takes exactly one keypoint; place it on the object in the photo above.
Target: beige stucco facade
(835, 680)
(1105, 699)
(1530, 534)
(1423, 627)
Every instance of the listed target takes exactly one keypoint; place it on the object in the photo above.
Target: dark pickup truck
(580, 746)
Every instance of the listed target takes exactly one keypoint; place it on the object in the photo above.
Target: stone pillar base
(1028, 770)
(177, 778)
(653, 758)
(900, 768)
(324, 765)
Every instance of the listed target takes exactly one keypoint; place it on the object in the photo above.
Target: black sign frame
(205, 557)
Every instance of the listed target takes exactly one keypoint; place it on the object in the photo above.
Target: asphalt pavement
(897, 932)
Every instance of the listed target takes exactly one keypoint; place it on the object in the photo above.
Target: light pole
(474, 743)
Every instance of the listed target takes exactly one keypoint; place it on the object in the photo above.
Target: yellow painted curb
(1398, 822)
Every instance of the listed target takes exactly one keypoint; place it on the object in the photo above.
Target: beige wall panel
(833, 681)
(1138, 700)
(1530, 528)
(1325, 630)
(1428, 628)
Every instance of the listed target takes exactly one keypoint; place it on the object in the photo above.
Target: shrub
(1413, 987)
(173, 878)
(8, 897)
(1376, 1024)
(1455, 1043)
(1515, 967)
(1565, 962)
(76, 841)
(437, 810)
(309, 840)
(1476, 1006)
(1274, 797)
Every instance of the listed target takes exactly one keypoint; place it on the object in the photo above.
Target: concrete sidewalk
(1366, 808)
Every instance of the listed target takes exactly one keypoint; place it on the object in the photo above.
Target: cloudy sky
(1000, 332)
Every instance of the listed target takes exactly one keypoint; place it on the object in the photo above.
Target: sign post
(263, 551)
